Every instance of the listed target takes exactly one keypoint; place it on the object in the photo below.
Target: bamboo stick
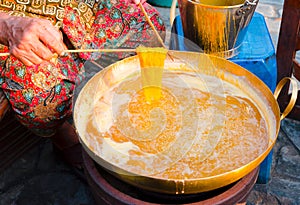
(88, 50)
(4, 54)
(104, 50)
(152, 26)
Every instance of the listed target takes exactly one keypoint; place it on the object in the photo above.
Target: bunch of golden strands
(152, 61)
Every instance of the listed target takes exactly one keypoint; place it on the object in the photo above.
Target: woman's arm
(29, 39)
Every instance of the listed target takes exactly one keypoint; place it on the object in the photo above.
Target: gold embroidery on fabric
(49, 9)
(20, 7)
(75, 2)
(39, 16)
(76, 10)
(23, 1)
(64, 3)
(16, 13)
(90, 3)
(58, 24)
(88, 15)
(87, 25)
(82, 7)
(8, 4)
(35, 11)
(60, 14)
(37, 3)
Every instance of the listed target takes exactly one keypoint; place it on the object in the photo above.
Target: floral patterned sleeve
(114, 24)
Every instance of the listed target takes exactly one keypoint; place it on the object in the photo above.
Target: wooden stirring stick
(4, 54)
(152, 26)
(114, 50)
(155, 30)
(104, 50)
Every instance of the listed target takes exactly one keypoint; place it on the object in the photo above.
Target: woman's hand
(30, 39)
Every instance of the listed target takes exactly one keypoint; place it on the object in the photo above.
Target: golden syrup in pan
(198, 128)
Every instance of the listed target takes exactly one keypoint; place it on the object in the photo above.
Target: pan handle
(293, 97)
(173, 11)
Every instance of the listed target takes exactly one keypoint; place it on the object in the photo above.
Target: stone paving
(40, 178)
(284, 186)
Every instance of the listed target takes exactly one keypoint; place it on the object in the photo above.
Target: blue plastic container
(162, 3)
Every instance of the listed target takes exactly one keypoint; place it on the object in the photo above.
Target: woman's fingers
(29, 62)
(33, 55)
(52, 37)
(34, 40)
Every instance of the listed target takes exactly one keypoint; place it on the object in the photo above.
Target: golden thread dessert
(152, 62)
(201, 126)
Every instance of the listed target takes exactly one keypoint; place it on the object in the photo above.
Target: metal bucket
(218, 27)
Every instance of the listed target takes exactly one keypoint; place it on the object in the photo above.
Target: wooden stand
(107, 189)
(288, 45)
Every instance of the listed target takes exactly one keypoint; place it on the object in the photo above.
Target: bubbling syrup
(196, 129)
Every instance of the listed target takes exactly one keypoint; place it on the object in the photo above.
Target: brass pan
(202, 63)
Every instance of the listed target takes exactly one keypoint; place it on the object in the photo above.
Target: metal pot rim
(197, 184)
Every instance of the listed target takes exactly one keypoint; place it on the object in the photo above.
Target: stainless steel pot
(218, 27)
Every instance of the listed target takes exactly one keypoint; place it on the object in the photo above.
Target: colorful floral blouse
(41, 95)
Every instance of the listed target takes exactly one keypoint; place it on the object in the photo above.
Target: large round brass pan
(199, 63)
